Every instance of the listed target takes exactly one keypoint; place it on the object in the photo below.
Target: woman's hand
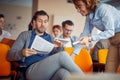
(85, 40)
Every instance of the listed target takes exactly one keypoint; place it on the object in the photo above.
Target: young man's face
(67, 30)
(41, 23)
(2, 23)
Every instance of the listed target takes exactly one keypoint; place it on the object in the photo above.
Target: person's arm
(58, 46)
(15, 53)
(108, 21)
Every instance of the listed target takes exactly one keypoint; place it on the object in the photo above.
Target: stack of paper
(41, 45)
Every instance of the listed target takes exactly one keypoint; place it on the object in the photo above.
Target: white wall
(61, 10)
(11, 16)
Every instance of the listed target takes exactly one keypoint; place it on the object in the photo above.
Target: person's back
(3, 33)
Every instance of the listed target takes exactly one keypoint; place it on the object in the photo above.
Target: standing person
(55, 65)
(57, 30)
(3, 33)
(106, 18)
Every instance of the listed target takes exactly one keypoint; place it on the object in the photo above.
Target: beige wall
(12, 13)
(60, 10)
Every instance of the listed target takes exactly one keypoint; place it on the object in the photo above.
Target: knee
(63, 54)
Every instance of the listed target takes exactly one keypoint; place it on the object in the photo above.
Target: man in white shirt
(3, 33)
(67, 27)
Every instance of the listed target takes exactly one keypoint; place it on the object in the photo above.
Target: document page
(63, 40)
(41, 45)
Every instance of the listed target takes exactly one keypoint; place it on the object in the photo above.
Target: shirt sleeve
(107, 20)
(87, 28)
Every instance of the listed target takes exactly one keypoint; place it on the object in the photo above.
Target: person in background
(57, 30)
(3, 33)
(67, 28)
(106, 19)
(55, 65)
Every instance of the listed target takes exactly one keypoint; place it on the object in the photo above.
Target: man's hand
(58, 43)
(28, 52)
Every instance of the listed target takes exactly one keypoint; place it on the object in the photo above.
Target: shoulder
(6, 33)
(104, 8)
(25, 34)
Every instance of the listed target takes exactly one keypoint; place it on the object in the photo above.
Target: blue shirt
(106, 18)
(37, 57)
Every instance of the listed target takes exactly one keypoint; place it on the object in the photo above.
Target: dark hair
(58, 27)
(30, 26)
(2, 16)
(41, 12)
(89, 3)
(68, 22)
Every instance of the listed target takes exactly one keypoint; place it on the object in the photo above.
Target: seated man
(67, 27)
(55, 65)
(3, 33)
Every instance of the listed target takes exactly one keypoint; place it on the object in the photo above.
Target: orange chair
(5, 66)
(8, 41)
(83, 60)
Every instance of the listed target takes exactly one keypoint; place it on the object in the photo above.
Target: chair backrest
(69, 50)
(102, 55)
(5, 67)
(83, 60)
(8, 41)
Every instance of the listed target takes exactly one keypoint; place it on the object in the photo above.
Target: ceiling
(115, 3)
(26, 3)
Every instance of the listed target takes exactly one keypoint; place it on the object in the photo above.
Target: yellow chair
(102, 55)
(83, 60)
(69, 50)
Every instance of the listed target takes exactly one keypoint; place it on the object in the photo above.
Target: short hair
(89, 3)
(58, 27)
(41, 12)
(68, 22)
(2, 16)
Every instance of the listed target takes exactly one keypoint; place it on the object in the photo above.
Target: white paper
(41, 45)
(63, 40)
(77, 48)
(74, 43)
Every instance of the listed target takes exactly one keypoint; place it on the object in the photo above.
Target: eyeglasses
(68, 30)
